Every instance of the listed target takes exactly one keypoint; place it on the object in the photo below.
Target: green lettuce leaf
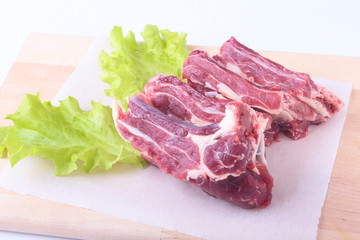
(3, 134)
(132, 64)
(66, 134)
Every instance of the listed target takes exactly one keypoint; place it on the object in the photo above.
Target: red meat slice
(241, 74)
(173, 97)
(223, 156)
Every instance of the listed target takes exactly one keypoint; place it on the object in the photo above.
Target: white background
(310, 26)
(321, 27)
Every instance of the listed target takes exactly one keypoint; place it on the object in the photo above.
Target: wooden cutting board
(45, 63)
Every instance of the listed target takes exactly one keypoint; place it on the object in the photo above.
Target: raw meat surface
(173, 97)
(223, 156)
(241, 74)
(200, 68)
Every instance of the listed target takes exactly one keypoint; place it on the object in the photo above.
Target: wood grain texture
(30, 78)
(45, 63)
(52, 49)
(66, 221)
(341, 211)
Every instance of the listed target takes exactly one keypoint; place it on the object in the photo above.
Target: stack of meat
(212, 130)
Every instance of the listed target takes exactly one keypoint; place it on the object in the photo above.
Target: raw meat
(239, 73)
(218, 146)
(173, 97)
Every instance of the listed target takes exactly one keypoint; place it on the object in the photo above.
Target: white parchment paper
(301, 170)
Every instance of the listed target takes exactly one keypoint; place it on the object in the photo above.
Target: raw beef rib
(241, 74)
(173, 97)
(223, 156)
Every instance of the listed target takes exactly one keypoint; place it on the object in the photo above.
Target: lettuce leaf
(3, 134)
(66, 134)
(132, 64)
